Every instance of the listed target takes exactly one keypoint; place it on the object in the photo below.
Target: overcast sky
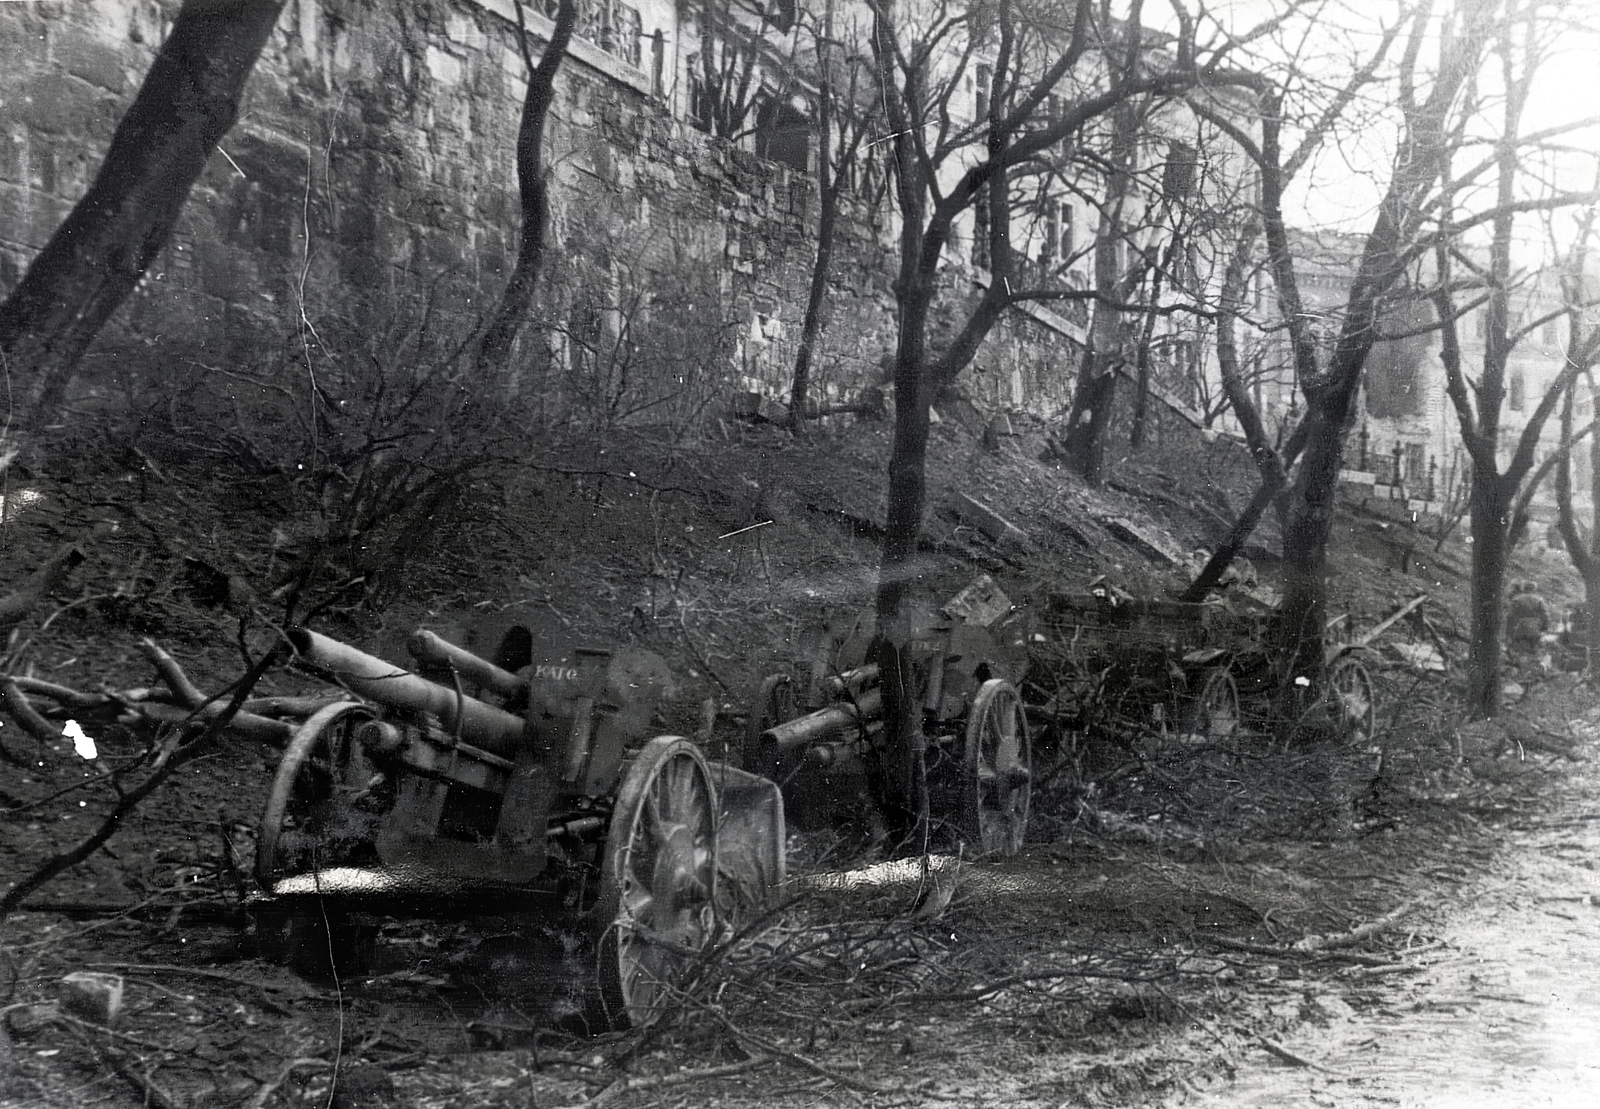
(1342, 187)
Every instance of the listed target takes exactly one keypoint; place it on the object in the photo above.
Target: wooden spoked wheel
(657, 905)
(997, 771)
(320, 813)
(1350, 685)
(313, 818)
(774, 704)
(1213, 716)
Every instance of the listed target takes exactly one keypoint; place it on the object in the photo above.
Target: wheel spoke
(658, 883)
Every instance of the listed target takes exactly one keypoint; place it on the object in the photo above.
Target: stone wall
(371, 175)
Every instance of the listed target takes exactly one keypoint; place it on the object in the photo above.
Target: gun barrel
(427, 647)
(828, 722)
(478, 723)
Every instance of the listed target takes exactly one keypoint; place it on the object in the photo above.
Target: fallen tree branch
(173, 753)
(290, 985)
(628, 1085)
(22, 711)
(1273, 1047)
(1355, 935)
(74, 698)
(1278, 952)
(198, 704)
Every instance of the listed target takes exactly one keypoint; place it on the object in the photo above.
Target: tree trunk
(1331, 395)
(1490, 505)
(901, 785)
(500, 334)
(811, 328)
(1583, 550)
(188, 101)
(1092, 402)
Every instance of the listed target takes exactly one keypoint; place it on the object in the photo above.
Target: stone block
(751, 405)
(1142, 540)
(982, 603)
(95, 62)
(93, 995)
(445, 67)
(987, 520)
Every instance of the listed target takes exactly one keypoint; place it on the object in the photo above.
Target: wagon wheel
(998, 770)
(312, 820)
(311, 812)
(1213, 716)
(774, 704)
(658, 883)
(1351, 685)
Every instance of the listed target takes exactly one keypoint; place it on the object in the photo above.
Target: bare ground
(1167, 932)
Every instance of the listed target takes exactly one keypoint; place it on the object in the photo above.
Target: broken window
(701, 107)
(783, 134)
(626, 31)
(1416, 465)
(1178, 175)
(614, 27)
(780, 13)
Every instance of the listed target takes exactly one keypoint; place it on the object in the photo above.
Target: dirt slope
(1103, 965)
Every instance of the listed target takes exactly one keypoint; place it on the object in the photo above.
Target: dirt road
(1507, 1014)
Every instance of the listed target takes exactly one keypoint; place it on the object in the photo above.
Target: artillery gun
(527, 782)
(819, 726)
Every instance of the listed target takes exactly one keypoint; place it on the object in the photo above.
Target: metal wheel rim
(774, 704)
(998, 769)
(300, 756)
(1215, 716)
(1352, 686)
(657, 901)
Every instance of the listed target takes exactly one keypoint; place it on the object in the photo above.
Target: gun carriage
(528, 781)
(1198, 673)
(824, 721)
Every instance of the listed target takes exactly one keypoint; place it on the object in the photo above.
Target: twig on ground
(794, 1058)
(1355, 935)
(154, 1095)
(173, 753)
(628, 1085)
(1273, 1047)
(264, 1094)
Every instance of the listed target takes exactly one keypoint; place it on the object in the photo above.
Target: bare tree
(942, 166)
(505, 323)
(1463, 287)
(1427, 137)
(188, 101)
(1583, 351)
(1322, 121)
(842, 124)
(737, 45)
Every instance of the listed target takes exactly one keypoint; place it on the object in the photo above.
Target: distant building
(1406, 433)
